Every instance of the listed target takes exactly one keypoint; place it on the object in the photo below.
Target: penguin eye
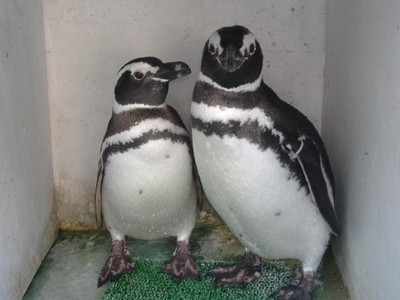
(138, 75)
(251, 49)
(212, 49)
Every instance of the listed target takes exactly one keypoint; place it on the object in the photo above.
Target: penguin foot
(302, 291)
(117, 263)
(238, 275)
(182, 265)
(292, 292)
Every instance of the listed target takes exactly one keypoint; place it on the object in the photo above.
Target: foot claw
(292, 292)
(117, 263)
(300, 291)
(218, 272)
(238, 275)
(182, 265)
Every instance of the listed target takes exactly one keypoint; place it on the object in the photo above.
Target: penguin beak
(172, 70)
(230, 60)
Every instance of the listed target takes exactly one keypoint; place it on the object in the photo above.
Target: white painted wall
(27, 219)
(361, 125)
(87, 41)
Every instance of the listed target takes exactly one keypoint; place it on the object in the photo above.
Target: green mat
(147, 282)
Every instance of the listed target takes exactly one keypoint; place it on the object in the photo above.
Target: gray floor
(70, 270)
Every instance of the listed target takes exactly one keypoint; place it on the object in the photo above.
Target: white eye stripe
(215, 40)
(141, 67)
(248, 40)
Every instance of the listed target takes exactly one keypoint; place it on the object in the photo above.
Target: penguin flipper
(199, 188)
(309, 158)
(200, 196)
(99, 195)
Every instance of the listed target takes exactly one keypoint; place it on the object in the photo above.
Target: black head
(145, 81)
(232, 57)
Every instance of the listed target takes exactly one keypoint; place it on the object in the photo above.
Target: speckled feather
(244, 139)
(145, 181)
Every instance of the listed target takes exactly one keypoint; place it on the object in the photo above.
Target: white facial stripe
(248, 87)
(118, 108)
(139, 129)
(138, 67)
(248, 39)
(210, 114)
(215, 40)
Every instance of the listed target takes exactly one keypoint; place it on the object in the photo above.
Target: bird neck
(119, 108)
(242, 88)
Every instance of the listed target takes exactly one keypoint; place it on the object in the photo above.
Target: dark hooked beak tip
(183, 69)
(172, 70)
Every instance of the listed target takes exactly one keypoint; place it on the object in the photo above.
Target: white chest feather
(258, 199)
(148, 191)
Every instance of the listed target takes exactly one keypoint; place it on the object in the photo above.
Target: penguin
(262, 164)
(145, 187)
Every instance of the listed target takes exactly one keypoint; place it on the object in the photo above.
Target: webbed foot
(182, 265)
(302, 291)
(238, 275)
(117, 263)
(292, 292)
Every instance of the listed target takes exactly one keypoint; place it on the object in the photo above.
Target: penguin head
(145, 81)
(232, 57)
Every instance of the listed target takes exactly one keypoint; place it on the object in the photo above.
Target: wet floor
(70, 269)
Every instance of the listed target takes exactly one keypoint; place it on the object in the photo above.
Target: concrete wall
(87, 42)
(361, 125)
(27, 219)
